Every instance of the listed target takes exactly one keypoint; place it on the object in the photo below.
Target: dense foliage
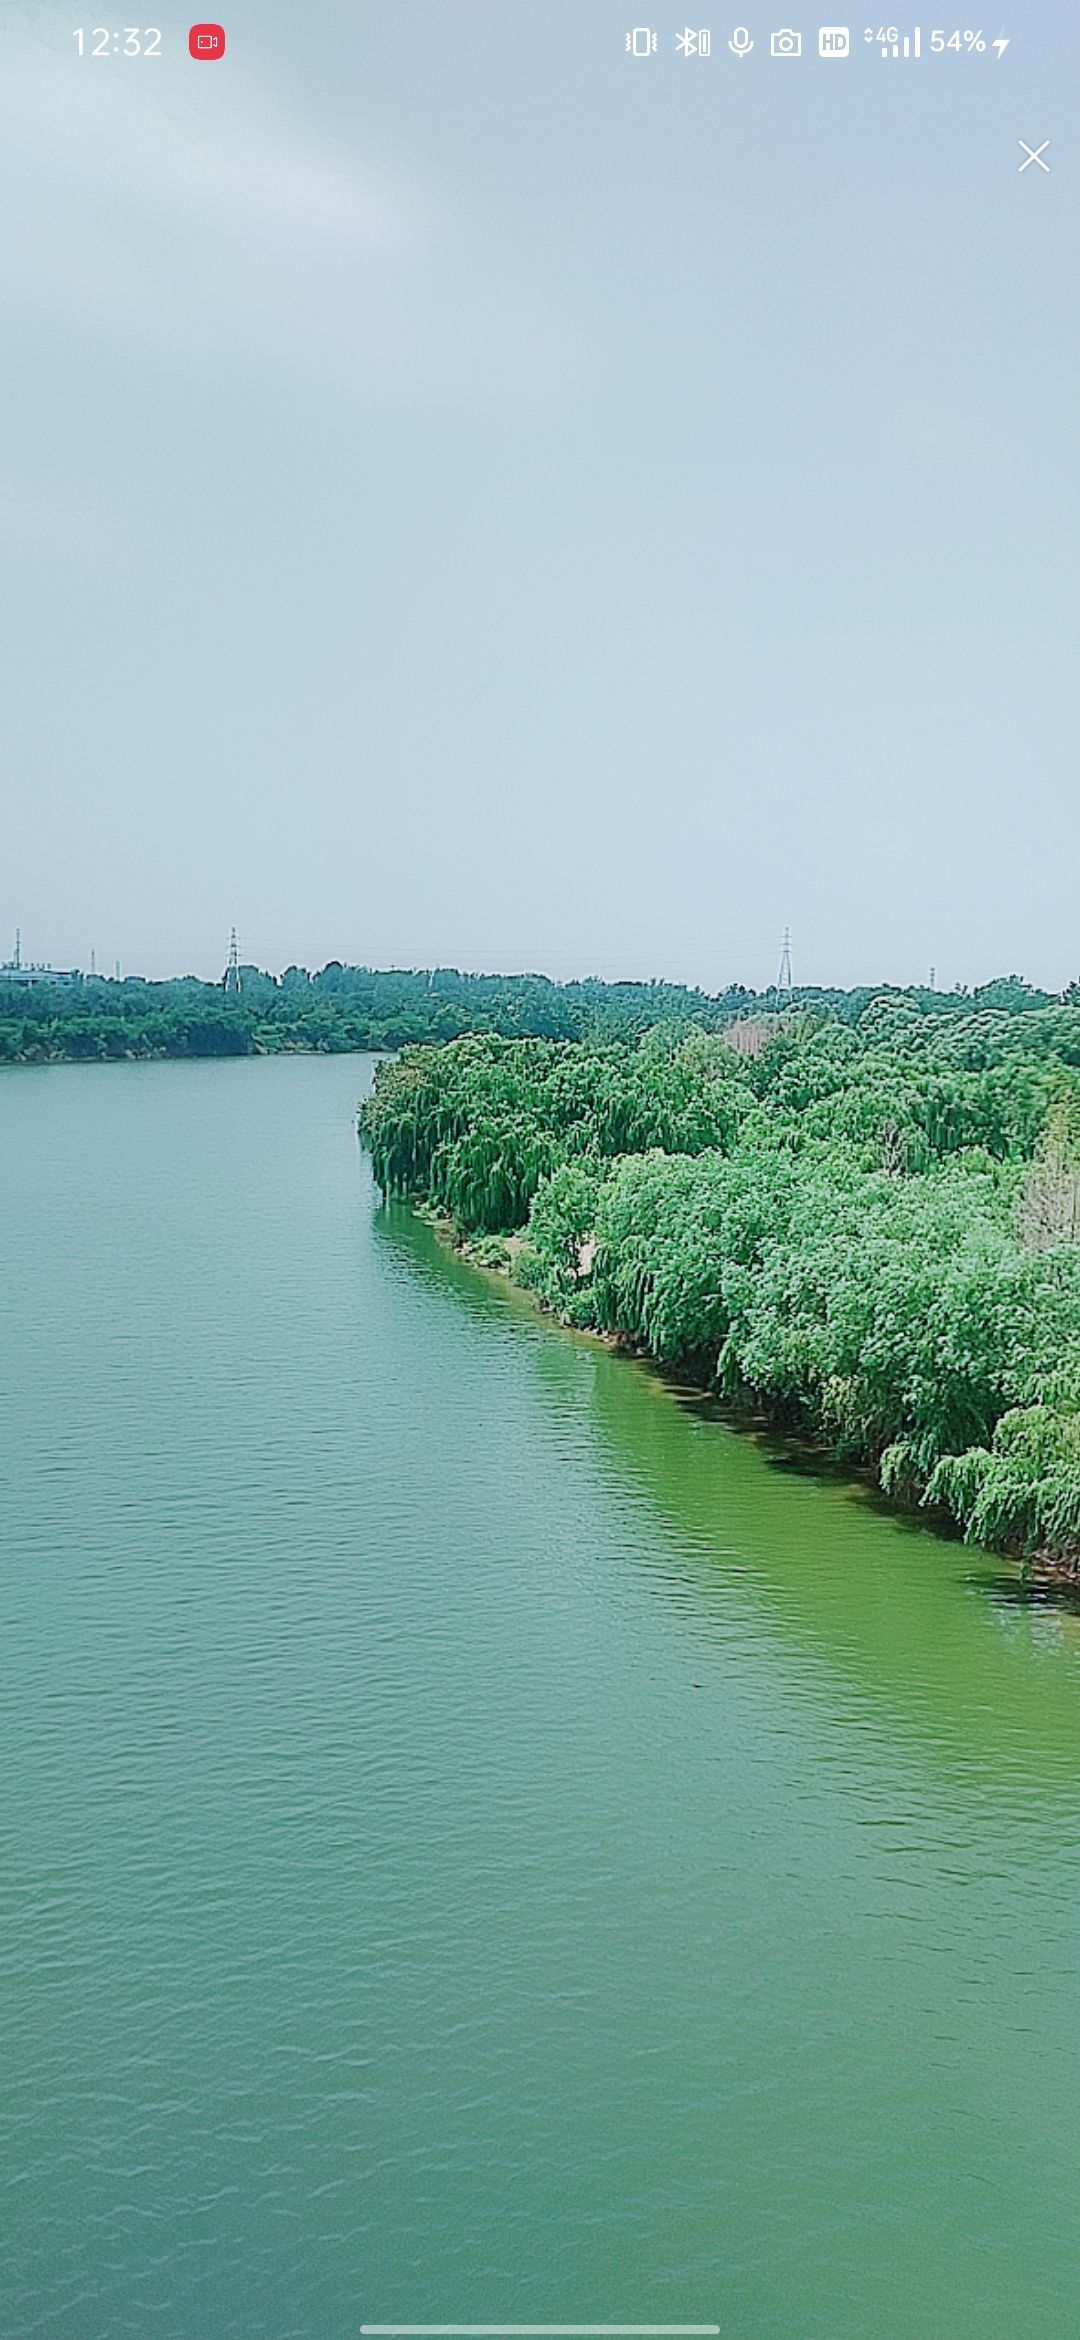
(869, 1231)
(337, 1009)
(359, 1007)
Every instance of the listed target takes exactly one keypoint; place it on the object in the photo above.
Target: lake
(480, 1839)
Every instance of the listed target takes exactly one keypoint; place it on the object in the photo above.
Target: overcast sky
(468, 496)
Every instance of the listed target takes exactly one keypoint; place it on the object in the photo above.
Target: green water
(479, 1840)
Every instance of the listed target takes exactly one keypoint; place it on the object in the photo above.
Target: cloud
(197, 216)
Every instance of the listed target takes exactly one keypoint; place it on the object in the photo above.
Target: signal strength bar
(907, 45)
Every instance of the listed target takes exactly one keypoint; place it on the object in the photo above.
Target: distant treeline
(342, 1008)
(868, 1232)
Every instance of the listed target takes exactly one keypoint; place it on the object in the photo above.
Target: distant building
(11, 971)
(27, 971)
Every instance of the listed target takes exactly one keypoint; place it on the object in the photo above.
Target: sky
(469, 496)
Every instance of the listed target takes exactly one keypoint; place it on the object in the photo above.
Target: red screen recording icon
(206, 41)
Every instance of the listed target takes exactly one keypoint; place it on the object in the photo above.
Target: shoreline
(31, 1062)
(1038, 1572)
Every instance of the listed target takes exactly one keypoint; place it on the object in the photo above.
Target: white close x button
(1034, 154)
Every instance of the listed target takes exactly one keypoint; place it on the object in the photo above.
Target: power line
(785, 989)
(232, 971)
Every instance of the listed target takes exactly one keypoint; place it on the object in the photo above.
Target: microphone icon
(740, 41)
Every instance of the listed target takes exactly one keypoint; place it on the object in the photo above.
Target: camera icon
(786, 43)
